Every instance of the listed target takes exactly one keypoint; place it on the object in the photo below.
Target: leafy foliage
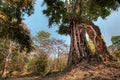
(85, 10)
(15, 9)
(42, 64)
(42, 35)
(42, 41)
(116, 41)
(19, 34)
(4, 44)
(54, 48)
(17, 59)
(117, 53)
(92, 47)
(56, 12)
(11, 26)
(18, 62)
(39, 65)
(1, 57)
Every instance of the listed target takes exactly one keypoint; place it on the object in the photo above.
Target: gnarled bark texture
(100, 46)
(79, 48)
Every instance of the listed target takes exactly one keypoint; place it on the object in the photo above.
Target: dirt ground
(81, 71)
(84, 71)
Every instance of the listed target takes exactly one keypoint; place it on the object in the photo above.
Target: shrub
(42, 64)
(31, 65)
(117, 54)
(39, 65)
(61, 64)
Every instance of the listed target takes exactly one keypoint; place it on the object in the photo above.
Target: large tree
(75, 18)
(11, 25)
(14, 37)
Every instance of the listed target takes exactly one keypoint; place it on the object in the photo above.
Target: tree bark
(4, 74)
(79, 48)
(102, 53)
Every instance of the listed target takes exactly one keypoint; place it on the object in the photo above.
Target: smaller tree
(38, 64)
(116, 41)
(42, 40)
(42, 64)
(58, 50)
(54, 48)
(19, 38)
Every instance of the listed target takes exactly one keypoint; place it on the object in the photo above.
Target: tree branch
(68, 5)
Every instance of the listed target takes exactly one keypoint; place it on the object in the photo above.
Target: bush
(39, 65)
(117, 54)
(31, 66)
(61, 64)
(42, 64)
(57, 64)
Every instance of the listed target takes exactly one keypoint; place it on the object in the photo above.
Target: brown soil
(82, 71)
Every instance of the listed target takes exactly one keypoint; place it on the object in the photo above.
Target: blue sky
(36, 22)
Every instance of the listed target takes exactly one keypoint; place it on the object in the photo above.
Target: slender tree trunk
(4, 74)
(79, 49)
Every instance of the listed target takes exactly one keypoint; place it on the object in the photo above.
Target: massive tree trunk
(101, 49)
(79, 48)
